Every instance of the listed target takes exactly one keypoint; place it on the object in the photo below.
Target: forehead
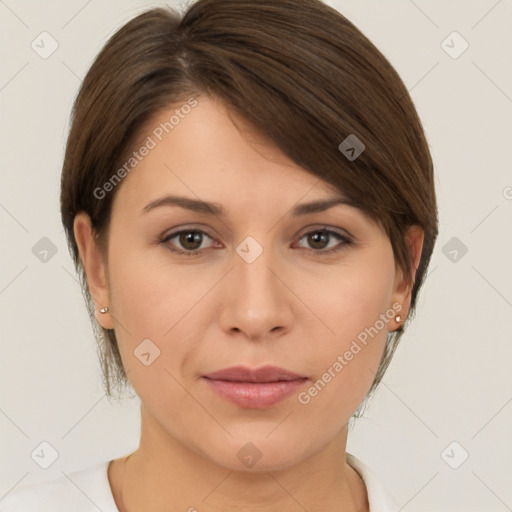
(208, 151)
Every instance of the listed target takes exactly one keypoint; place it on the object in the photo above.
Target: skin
(291, 307)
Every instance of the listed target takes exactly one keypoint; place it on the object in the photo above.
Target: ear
(404, 283)
(94, 266)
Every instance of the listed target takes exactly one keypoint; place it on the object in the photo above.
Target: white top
(89, 490)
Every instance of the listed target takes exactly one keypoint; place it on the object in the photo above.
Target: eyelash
(322, 252)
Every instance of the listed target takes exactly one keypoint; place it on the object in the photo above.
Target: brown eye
(319, 240)
(188, 242)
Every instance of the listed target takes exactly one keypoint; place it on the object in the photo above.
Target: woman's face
(262, 282)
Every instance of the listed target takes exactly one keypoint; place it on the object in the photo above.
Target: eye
(189, 242)
(319, 241)
(189, 239)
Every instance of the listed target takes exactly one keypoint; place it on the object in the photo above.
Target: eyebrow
(210, 208)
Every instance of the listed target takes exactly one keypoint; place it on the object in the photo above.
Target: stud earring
(104, 310)
(398, 318)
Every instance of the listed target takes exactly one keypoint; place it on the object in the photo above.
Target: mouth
(259, 388)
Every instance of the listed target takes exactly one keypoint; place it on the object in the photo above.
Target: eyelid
(193, 227)
(324, 227)
(304, 231)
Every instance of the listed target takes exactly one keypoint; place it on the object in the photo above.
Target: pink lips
(255, 388)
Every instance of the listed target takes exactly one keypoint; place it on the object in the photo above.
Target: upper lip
(245, 374)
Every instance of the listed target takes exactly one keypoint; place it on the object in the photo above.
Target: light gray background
(450, 380)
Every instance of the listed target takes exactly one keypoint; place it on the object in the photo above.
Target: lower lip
(253, 395)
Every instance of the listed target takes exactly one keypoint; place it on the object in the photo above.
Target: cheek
(166, 303)
(351, 296)
(149, 294)
(354, 313)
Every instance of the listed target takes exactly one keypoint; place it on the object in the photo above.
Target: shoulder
(86, 490)
(378, 498)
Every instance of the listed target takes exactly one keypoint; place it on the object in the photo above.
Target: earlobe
(94, 268)
(405, 283)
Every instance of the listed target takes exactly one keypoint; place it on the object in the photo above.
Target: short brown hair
(300, 73)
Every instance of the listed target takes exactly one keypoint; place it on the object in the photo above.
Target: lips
(244, 374)
(259, 388)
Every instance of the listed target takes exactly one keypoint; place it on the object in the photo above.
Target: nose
(256, 298)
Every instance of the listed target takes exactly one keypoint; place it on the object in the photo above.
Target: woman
(249, 199)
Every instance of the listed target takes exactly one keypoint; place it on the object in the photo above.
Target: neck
(167, 475)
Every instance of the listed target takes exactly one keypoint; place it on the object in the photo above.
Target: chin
(256, 454)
